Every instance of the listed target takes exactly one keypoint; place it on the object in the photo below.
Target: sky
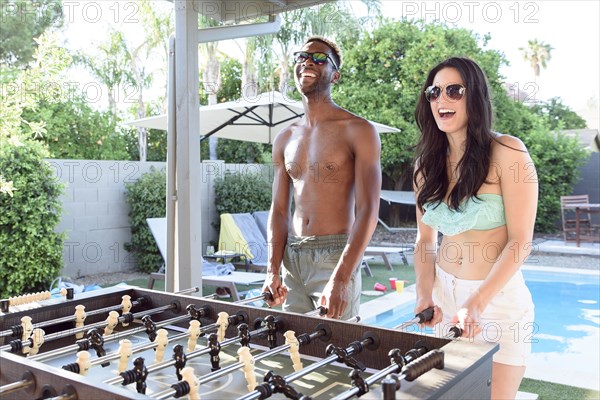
(572, 28)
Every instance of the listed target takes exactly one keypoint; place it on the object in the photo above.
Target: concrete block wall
(95, 212)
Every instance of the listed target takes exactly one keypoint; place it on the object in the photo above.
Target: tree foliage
(75, 130)
(537, 53)
(21, 22)
(31, 253)
(558, 115)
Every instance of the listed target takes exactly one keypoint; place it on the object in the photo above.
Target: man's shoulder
(352, 120)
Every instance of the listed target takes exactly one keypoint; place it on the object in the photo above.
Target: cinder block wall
(94, 216)
(95, 212)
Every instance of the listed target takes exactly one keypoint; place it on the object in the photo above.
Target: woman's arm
(424, 259)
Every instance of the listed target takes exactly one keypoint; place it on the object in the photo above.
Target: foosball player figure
(187, 375)
(124, 354)
(358, 382)
(79, 319)
(96, 341)
(150, 327)
(161, 341)
(215, 349)
(223, 324)
(194, 332)
(138, 374)
(126, 306)
(27, 330)
(271, 331)
(281, 386)
(292, 341)
(343, 357)
(111, 322)
(244, 335)
(247, 359)
(83, 362)
(37, 339)
(141, 373)
(180, 359)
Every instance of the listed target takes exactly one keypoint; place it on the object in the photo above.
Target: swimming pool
(566, 306)
(566, 342)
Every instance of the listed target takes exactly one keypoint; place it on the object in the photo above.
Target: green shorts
(308, 263)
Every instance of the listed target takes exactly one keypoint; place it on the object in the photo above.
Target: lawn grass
(556, 391)
(545, 390)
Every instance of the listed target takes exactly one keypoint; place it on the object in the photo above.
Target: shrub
(557, 159)
(147, 199)
(31, 251)
(242, 193)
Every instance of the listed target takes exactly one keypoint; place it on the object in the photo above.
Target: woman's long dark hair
(432, 150)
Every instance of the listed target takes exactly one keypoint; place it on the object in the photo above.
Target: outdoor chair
(569, 219)
(240, 234)
(158, 227)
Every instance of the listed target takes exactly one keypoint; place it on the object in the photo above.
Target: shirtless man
(330, 162)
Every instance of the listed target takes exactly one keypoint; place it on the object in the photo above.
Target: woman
(479, 189)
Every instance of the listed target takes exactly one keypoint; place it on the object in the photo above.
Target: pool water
(566, 310)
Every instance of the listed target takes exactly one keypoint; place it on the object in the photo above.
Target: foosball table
(130, 343)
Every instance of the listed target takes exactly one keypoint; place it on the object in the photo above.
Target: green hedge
(242, 193)
(557, 159)
(147, 199)
(30, 250)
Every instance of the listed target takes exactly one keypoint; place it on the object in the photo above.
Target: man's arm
(278, 222)
(367, 187)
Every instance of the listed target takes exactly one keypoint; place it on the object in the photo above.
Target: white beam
(238, 31)
(188, 240)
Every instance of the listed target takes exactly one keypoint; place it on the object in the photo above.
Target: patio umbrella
(256, 119)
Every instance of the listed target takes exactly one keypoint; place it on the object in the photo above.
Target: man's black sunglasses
(318, 58)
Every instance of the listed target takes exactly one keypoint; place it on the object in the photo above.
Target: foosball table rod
(322, 310)
(26, 381)
(193, 354)
(322, 332)
(124, 318)
(267, 389)
(139, 348)
(15, 331)
(83, 344)
(409, 372)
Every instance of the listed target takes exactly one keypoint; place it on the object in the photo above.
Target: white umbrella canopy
(256, 119)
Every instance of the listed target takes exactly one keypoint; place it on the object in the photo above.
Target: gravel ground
(382, 237)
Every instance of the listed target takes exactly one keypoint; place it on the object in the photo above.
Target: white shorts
(507, 320)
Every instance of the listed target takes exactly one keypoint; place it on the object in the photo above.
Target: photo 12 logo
(470, 11)
(71, 11)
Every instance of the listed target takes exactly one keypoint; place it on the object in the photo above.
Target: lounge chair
(261, 218)
(158, 227)
(399, 197)
(383, 252)
(240, 234)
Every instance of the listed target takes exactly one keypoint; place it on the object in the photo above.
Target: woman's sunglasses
(318, 58)
(453, 92)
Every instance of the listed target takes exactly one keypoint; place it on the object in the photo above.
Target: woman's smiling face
(450, 115)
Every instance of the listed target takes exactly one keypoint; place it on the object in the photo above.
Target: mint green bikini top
(482, 214)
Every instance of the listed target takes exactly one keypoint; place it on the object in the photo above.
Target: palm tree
(538, 54)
